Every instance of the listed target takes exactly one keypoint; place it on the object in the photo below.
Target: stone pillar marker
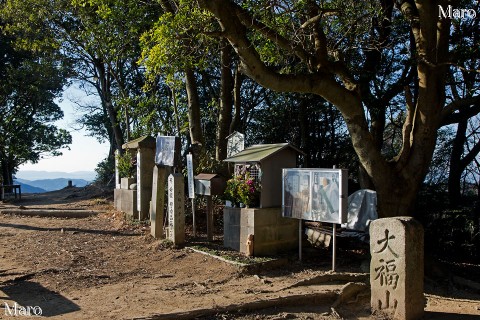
(117, 174)
(145, 164)
(176, 209)
(156, 205)
(396, 268)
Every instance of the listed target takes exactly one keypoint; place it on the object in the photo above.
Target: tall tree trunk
(195, 126)
(7, 171)
(104, 90)
(377, 129)
(304, 131)
(455, 172)
(226, 101)
(237, 100)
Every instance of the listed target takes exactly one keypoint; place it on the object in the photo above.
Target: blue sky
(85, 152)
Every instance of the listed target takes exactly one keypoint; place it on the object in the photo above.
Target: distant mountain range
(29, 189)
(44, 181)
(45, 185)
(41, 175)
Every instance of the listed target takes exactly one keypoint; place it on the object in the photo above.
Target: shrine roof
(260, 152)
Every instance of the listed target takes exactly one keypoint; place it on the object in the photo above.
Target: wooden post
(209, 219)
(193, 216)
(300, 240)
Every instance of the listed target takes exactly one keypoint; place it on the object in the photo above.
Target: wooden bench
(9, 187)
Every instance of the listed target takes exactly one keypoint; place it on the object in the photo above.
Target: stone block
(247, 216)
(396, 268)
(157, 203)
(267, 217)
(126, 182)
(145, 165)
(265, 234)
(125, 201)
(271, 233)
(288, 232)
(176, 209)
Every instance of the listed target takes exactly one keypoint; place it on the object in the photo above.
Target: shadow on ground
(29, 293)
(32, 228)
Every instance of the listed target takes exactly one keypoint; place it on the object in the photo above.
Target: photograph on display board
(311, 195)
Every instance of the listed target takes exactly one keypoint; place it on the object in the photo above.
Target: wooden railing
(9, 189)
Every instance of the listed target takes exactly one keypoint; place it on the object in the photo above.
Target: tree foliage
(383, 64)
(29, 83)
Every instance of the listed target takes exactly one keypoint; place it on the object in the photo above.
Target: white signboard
(166, 150)
(176, 209)
(315, 194)
(235, 144)
(191, 182)
(117, 174)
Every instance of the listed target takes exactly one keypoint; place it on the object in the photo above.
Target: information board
(235, 144)
(167, 149)
(315, 194)
(191, 182)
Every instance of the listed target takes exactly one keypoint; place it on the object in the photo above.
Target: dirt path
(102, 268)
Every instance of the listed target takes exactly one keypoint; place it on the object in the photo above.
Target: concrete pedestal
(271, 232)
(145, 164)
(126, 201)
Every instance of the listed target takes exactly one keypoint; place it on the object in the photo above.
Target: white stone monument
(117, 173)
(176, 209)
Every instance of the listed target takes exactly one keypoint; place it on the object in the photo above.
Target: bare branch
(315, 19)
(407, 129)
(448, 116)
(248, 21)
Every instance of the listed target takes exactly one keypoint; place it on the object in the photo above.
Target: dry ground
(102, 267)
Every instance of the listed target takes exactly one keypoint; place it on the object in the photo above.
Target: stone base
(272, 233)
(126, 201)
(126, 182)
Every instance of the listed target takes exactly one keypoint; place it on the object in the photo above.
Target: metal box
(209, 184)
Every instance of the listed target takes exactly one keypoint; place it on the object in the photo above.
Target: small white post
(191, 189)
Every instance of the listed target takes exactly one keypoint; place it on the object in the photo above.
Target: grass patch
(229, 254)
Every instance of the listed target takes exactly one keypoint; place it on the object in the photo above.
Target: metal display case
(315, 194)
